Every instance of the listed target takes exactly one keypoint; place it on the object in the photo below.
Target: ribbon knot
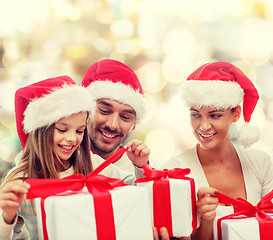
(48, 187)
(154, 174)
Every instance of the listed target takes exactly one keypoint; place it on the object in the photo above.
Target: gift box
(172, 195)
(248, 222)
(106, 209)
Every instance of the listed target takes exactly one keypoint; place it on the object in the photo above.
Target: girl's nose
(71, 137)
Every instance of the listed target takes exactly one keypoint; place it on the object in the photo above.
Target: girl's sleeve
(6, 230)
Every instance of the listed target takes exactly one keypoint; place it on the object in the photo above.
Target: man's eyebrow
(105, 103)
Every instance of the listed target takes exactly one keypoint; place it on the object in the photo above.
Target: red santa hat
(114, 80)
(222, 85)
(43, 103)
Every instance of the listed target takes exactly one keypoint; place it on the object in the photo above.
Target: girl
(51, 118)
(213, 93)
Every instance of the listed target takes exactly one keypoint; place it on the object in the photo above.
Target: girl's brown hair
(37, 160)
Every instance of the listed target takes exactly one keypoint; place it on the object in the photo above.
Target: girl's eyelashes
(61, 130)
(80, 132)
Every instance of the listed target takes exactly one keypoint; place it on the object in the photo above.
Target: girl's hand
(138, 153)
(11, 196)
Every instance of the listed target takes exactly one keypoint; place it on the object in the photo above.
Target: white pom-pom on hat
(247, 135)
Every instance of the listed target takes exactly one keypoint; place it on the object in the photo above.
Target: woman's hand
(206, 206)
(11, 196)
(207, 203)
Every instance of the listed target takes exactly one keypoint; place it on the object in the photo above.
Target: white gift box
(72, 216)
(183, 212)
(245, 228)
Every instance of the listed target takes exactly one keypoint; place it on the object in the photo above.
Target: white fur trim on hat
(214, 93)
(50, 108)
(121, 93)
(247, 135)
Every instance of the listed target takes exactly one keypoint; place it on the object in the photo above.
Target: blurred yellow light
(151, 77)
(257, 38)
(178, 41)
(130, 7)
(161, 143)
(122, 28)
(151, 106)
(76, 52)
(124, 46)
(176, 67)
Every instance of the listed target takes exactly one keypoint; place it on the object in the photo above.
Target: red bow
(154, 174)
(47, 187)
(161, 194)
(244, 208)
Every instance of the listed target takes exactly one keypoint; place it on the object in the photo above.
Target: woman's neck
(217, 155)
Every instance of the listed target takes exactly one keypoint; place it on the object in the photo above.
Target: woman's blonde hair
(38, 156)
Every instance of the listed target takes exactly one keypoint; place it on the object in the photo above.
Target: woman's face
(68, 135)
(211, 125)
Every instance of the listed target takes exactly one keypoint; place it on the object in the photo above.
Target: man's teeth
(108, 135)
(66, 147)
(206, 135)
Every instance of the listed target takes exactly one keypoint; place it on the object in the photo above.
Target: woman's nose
(205, 125)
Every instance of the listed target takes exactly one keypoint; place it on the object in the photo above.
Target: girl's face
(68, 135)
(211, 126)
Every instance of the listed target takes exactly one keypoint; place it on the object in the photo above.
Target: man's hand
(138, 153)
(164, 235)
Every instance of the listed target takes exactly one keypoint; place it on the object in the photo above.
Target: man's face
(110, 126)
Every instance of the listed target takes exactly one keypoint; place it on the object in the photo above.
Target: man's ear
(237, 113)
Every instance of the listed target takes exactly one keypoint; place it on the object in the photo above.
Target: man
(120, 106)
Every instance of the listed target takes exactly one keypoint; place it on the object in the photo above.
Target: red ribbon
(161, 194)
(243, 208)
(97, 185)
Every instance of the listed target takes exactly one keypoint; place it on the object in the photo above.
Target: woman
(213, 93)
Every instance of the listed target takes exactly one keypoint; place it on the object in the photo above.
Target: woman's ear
(237, 113)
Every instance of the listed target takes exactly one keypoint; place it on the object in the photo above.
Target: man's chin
(107, 149)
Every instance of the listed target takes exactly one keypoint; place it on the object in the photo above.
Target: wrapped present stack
(172, 195)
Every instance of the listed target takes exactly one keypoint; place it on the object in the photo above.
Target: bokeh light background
(163, 41)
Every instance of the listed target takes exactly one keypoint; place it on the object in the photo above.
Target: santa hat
(43, 103)
(114, 80)
(222, 85)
